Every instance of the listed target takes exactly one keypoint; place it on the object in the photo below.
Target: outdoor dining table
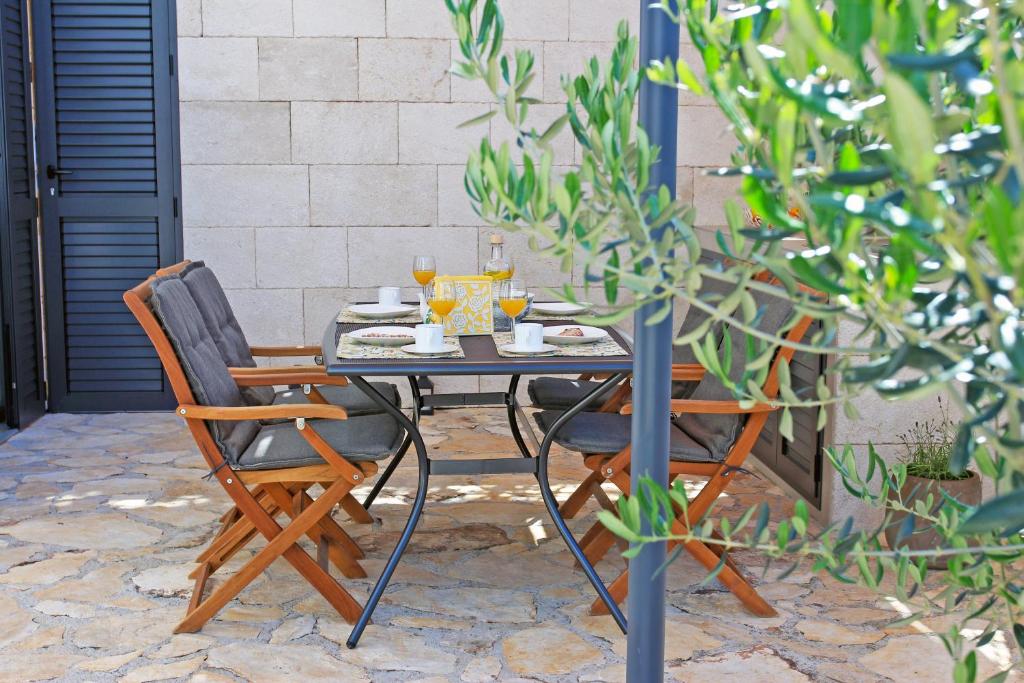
(481, 358)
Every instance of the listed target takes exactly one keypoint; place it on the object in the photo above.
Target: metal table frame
(480, 360)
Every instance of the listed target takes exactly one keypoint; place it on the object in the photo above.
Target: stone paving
(101, 516)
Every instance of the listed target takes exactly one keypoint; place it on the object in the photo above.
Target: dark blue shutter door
(109, 209)
(22, 315)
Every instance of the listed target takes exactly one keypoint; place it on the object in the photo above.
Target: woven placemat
(608, 347)
(532, 317)
(347, 317)
(349, 348)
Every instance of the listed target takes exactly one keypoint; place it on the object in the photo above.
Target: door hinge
(175, 202)
(170, 64)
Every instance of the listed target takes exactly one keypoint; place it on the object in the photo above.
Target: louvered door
(109, 181)
(24, 390)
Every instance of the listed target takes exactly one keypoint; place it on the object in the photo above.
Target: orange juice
(499, 274)
(442, 306)
(512, 307)
(423, 276)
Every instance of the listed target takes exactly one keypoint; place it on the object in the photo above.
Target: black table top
(481, 358)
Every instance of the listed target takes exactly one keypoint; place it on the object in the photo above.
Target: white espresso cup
(429, 337)
(389, 296)
(529, 336)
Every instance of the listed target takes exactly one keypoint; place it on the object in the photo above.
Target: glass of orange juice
(441, 297)
(423, 269)
(512, 297)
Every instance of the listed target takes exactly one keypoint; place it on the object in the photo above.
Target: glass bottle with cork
(498, 266)
(501, 268)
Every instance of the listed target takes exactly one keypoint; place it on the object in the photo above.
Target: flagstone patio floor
(102, 515)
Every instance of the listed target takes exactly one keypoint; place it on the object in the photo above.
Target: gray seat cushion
(371, 437)
(350, 397)
(563, 393)
(717, 433)
(213, 304)
(207, 373)
(609, 433)
(712, 291)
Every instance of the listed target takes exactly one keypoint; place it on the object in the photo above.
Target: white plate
(396, 336)
(447, 348)
(590, 334)
(512, 348)
(381, 310)
(560, 308)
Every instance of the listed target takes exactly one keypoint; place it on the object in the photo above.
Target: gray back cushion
(223, 326)
(207, 373)
(717, 433)
(712, 291)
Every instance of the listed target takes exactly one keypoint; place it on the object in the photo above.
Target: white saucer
(447, 348)
(560, 308)
(590, 335)
(391, 336)
(381, 310)
(512, 348)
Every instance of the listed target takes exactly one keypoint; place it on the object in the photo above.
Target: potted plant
(928, 479)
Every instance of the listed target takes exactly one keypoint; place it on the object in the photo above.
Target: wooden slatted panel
(106, 348)
(104, 96)
(797, 462)
(18, 133)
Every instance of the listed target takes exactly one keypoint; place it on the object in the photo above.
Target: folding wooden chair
(553, 393)
(711, 436)
(220, 319)
(266, 469)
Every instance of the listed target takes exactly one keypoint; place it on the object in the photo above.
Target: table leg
(413, 433)
(382, 479)
(513, 422)
(552, 504)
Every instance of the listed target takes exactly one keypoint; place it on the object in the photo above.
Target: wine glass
(423, 269)
(512, 296)
(441, 297)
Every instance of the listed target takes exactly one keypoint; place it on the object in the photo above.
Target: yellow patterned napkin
(474, 308)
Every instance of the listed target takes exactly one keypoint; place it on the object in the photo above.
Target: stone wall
(320, 150)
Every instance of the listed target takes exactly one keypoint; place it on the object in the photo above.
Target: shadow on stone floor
(102, 515)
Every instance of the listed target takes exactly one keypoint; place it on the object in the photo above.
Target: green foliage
(881, 144)
(928, 448)
(597, 214)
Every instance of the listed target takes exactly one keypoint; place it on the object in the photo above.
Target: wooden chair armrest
(281, 351)
(685, 405)
(310, 411)
(313, 374)
(688, 372)
(296, 412)
(275, 370)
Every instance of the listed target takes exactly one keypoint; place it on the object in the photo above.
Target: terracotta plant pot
(967, 491)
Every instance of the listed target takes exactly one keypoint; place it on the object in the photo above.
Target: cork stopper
(497, 239)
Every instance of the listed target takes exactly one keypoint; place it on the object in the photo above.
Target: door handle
(52, 171)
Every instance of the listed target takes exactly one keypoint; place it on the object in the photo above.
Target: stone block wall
(321, 152)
